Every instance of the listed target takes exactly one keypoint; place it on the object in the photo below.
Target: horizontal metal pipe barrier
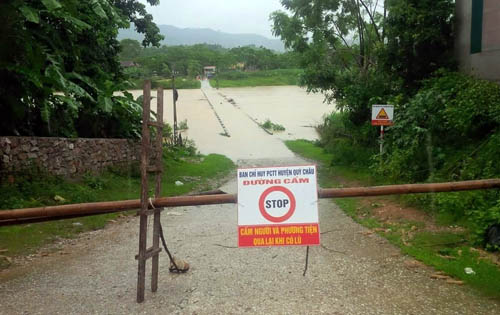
(28, 215)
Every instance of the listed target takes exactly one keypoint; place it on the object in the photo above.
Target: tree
(69, 47)
(361, 52)
(419, 39)
(337, 41)
(129, 49)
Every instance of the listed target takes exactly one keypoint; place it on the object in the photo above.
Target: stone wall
(64, 156)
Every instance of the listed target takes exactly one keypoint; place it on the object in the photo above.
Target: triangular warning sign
(382, 114)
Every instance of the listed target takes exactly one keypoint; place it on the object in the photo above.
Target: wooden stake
(143, 225)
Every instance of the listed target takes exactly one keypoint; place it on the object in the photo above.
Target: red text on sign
(284, 234)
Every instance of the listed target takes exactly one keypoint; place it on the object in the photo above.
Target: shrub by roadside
(450, 130)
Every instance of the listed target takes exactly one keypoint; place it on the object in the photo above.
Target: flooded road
(240, 110)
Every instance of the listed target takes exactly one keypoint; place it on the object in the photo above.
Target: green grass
(309, 150)
(431, 248)
(257, 78)
(166, 83)
(331, 171)
(180, 83)
(119, 183)
(269, 125)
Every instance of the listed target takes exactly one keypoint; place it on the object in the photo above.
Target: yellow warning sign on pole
(382, 115)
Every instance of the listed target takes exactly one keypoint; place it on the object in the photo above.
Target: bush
(348, 144)
(449, 131)
(450, 107)
(483, 218)
(183, 125)
(269, 125)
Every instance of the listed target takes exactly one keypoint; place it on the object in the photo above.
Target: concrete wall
(63, 156)
(485, 64)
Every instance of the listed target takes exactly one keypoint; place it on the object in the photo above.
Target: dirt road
(352, 272)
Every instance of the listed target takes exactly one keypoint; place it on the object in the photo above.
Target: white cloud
(231, 16)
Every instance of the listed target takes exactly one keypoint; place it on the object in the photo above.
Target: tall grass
(258, 78)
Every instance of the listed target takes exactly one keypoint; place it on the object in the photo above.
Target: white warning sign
(382, 115)
(277, 206)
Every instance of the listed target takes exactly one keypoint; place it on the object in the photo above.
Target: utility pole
(175, 96)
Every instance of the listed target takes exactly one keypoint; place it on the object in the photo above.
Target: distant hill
(190, 36)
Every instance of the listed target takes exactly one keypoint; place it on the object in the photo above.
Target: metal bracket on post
(154, 251)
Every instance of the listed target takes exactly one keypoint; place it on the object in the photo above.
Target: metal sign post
(382, 115)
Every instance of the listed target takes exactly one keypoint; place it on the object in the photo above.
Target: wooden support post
(159, 168)
(174, 97)
(143, 225)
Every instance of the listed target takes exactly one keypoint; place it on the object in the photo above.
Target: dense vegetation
(59, 67)
(188, 61)
(446, 124)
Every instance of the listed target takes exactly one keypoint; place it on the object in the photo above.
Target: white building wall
(485, 64)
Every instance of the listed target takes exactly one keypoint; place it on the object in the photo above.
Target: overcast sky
(231, 16)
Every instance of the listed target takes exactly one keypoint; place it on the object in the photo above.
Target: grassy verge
(446, 249)
(37, 189)
(180, 83)
(258, 78)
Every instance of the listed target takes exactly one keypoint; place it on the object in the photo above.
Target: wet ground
(210, 114)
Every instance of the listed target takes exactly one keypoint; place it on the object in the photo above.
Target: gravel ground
(352, 272)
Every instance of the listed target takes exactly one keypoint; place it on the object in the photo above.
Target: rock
(6, 159)
(174, 213)
(32, 155)
(71, 146)
(440, 276)
(25, 147)
(469, 271)
(59, 198)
